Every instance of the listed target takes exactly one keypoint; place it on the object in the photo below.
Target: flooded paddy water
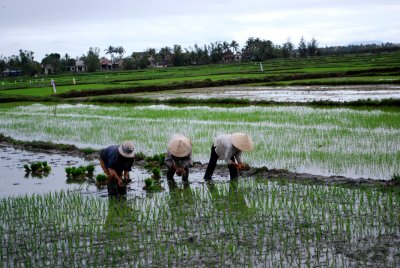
(15, 181)
(285, 94)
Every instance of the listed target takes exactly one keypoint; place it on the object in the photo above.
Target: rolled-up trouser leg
(170, 173)
(211, 164)
(233, 173)
(186, 177)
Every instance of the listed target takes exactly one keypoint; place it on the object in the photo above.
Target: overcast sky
(72, 26)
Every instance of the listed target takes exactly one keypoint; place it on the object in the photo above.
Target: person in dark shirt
(178, 157)
(116, 162)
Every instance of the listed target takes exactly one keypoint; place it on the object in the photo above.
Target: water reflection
(120, 215)
(179, 197)
(232, 201)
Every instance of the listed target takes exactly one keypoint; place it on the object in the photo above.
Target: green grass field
(361, 69)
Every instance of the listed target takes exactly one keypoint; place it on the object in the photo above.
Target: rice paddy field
(247, 223)
(254, 221)
(330, 141)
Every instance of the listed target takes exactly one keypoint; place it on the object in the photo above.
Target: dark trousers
(213, 163)
(171, 172)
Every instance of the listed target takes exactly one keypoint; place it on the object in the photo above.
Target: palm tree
(234, 45)
(120, 51)
(110, 50)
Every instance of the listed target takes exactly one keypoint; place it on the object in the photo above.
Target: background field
(333, 70)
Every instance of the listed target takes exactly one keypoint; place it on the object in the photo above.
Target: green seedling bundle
(38, 168)
(80, 173)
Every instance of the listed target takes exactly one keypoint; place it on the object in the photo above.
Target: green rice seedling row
(335, 141)
(246, 223)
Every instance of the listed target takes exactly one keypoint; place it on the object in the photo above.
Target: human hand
(240, 166)
(180, 172)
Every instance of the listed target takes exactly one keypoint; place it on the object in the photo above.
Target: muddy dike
(221, 170)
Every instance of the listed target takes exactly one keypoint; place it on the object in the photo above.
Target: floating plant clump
(156, 173)
(152, 185)
(81, 173)
(101, 179)
(38, 168)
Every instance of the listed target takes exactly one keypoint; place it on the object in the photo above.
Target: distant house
(230, 57)
(48, 69)
(79, 66)
(12, 72)
(107, 65)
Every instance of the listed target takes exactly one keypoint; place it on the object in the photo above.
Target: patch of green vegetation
(396, 178)
(38, 168)
(101, 179)
(243, 223)
(317, 70)
(80, 173)
(152, 185)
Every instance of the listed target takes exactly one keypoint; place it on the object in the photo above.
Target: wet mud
(15, 181)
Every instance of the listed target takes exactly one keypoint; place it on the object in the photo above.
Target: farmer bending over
(178, 157)
(229, 147)
(116, 162)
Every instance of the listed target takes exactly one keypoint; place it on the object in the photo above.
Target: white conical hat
(242, 141)
(179, 145)
(126, 149)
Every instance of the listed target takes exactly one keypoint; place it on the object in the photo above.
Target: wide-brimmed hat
(179, 145)
(242, 141)
(126, 149)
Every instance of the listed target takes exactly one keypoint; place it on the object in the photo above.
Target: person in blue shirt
(116, 162)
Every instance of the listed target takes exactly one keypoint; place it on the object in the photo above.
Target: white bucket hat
(179, 145)
(242, 141)
(126, 149)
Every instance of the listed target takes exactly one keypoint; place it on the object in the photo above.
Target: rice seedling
(334, 141)
(37, 169)
(101, 179)
(79, 174)
(152, 185)
(396, 178)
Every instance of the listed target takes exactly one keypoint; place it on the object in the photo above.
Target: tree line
(255, 49)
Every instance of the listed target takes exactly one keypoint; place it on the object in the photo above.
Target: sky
(73, 26)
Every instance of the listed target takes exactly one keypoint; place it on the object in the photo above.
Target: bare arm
(114, 175)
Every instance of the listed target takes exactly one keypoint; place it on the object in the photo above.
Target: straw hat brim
(127, 155)
(179, 146)
(242, 141)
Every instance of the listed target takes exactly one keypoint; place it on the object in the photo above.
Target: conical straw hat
(242, 141)
(126, 149)
(179, 145)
